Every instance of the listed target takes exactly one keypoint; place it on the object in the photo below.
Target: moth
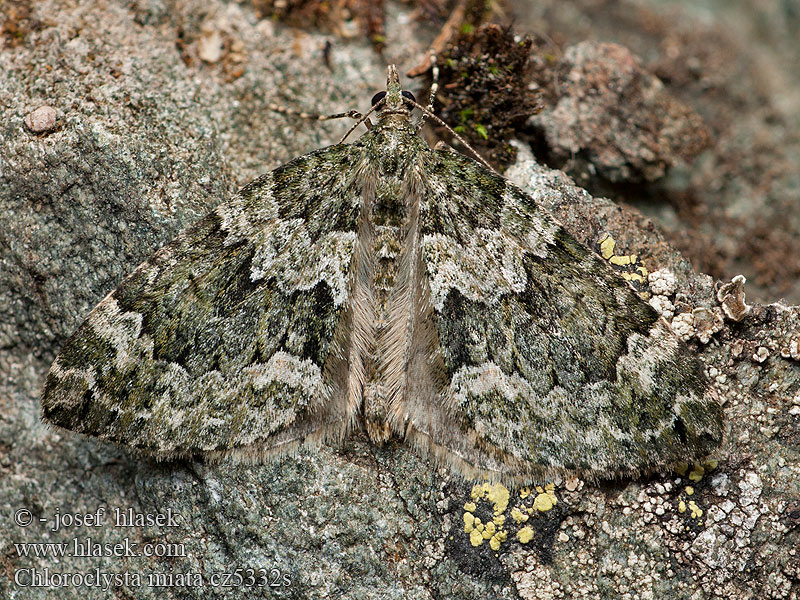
(406, 290)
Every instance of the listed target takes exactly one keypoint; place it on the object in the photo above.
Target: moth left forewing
(546, 360)
(229, 339)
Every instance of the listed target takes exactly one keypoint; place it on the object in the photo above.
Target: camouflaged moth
(404, 288)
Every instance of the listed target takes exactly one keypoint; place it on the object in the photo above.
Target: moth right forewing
(553, 364)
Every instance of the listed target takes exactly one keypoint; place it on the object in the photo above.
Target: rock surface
(734, 208)
(617, 116)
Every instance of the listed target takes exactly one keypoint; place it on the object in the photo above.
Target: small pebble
(42, 119)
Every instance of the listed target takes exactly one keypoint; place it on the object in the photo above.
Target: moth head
(394, 100)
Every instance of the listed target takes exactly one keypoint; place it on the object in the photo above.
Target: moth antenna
(455, 135)
(364, 119)
(434, 90)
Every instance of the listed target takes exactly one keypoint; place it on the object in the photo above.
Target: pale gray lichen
(663, 306)
(662, 282)
(731, 297)
(707, 322)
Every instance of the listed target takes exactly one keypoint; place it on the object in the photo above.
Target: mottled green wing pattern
(549, 362)
(221, 341)
(411, 289)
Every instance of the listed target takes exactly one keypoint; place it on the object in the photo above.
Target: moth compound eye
(409, 96)
(378, 97)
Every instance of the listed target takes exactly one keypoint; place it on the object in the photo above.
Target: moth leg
(432, 95)
(448, 32)
(285, 110)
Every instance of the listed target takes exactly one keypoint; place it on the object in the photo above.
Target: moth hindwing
(389, 284)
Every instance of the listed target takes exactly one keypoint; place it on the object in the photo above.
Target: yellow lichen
(524, 493)
(711, 464)
(518, 515)
(497, 539)
(542, 503)
(636, 276)
(689, 490)
(498, 494)
(475, 538)
(478, 491)
(697, 473)
(681, 468)
(545, 499)
(488, 530)
(469, 522)
(697, 512)
(607, 244)
(525, 535)
(623, 260)
(681, 506)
